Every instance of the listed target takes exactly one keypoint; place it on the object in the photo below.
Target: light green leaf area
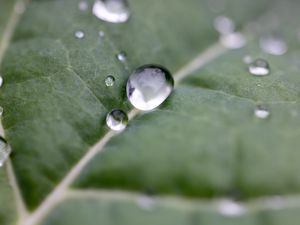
(202, 144)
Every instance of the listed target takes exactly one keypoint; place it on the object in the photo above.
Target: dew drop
(1, 81)
(113, 11)
(5, 151)
(224, 25)
(109, 81)
(117, 120)
(79, 34)
(234, 40)
(259, 67)
(261, 112)
(101, 34)
(273, 44)
(231, 208)
(149, 86)
(83, 6)
(121, 56)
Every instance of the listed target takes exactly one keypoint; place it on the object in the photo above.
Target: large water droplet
(261, 112)
(224, 25)
(113, 11)
(259, 67)
(121, 56)
(117, 120)
(231, 208)
(79, 34)
(234, 40)
(83, 5)
(273, 44)
(109, 81)
(149, 86)
(5, 151)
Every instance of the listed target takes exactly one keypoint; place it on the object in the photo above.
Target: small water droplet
(146, 202)
(224, 25)
(117, 120)
(234, 40)
(121, 56)
(79, 34)
(149, 86)
(273, 44)
(109, 81)
(231, 208)
(247, 59)
(261, 112)
(259, 67)
(5, 151)
(1, 81)
(113, 11)
(101, 34)
(83, 6)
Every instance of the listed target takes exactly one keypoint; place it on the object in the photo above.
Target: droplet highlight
(117, 120)
(261, 112)
(273, 44)
(224, 25)
(113, 11)
(234, 40)
(231, 208)
(1, 81)
(122, 56)
(109, 81)
(259, 67)
(5, 151)
(101, 34)
(149, 86)
(79, 34)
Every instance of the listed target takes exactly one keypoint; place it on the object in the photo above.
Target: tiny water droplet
(109, 81)
(247, 59)
(273, 44)
(149, 86)
(259, 67)
(146, 202)
(224, 25)
(121, 56)
(5, 151)
(234, 40)
(231, 208)
(79, 34)
(117, 120)
(101, 34)
(113, 11)
(1, 81)
(83, 6)
(261, 112)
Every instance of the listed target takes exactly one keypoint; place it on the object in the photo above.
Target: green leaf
(202, 145)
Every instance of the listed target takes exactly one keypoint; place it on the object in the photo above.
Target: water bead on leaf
(117, 120)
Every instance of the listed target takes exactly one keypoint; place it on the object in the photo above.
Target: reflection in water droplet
(224, 25)
(83, 6)
(146, 202)
(5, 151)
(149, 86)
(247, 59)
(117, 120)
(113, 11)
(79, 34)
(109, 81)
(261, 112)
(1, 81)
(233, 40)
(230, 208)
(101, 34)
(121, 56)
(273, 44)
(259, 67)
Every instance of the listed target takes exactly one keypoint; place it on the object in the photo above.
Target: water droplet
(247, 59)
(224, 25)
(149, 86)
(261, 112)
(113, 11)
(121, 56)
(1, 81)
(231, 208)
(109, 81)
(234, 40)
(146, 202)
(5, 151)
(83, 6)
(273, 44)
(79, 34)
(259, 67)
(101, 34)
(117, 120)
